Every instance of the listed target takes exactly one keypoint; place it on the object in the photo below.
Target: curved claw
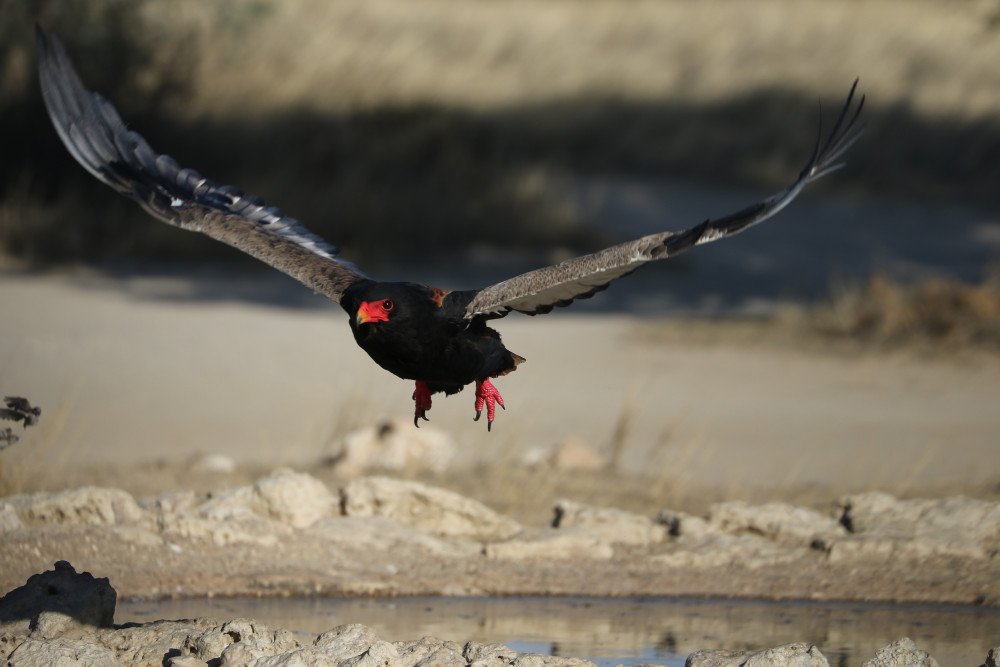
(488, 396)
(422, 403)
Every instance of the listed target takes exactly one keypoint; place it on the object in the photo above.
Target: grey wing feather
(95, 135)
(541, 290)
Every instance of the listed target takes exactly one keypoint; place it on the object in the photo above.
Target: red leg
(487, 394)
(422, 402)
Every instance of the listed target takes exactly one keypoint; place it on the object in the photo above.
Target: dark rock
(80, 596)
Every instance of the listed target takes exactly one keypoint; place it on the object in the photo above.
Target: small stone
(214, 464)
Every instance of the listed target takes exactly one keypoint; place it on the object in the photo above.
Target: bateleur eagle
(437, 338)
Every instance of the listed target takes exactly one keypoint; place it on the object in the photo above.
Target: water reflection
(622, 631)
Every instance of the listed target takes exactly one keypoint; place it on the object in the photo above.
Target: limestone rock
(296, 499)
(610, 525)
(883, 527)
(681, 523)
(379, 654)
(480, 654)
(346, 641)
(716, 657)
(992, 658)
(866, 512)
(89, 506)
(185, 661)
(430, 652)
(495, 654)
(59, 652)
(537, 660)
(432, 510)
(153, 643)
(171, 502)
(395, 445)
(787, 655)
(262, 514)
(382, 534)
(551, 544)
(747, 551)
(775, 521)
(76, 595)
(9, 520)
(901, 653)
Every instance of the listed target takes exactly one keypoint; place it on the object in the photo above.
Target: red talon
(487, 394)
(422, 402)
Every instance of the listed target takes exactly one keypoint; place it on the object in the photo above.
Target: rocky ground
(289, 533)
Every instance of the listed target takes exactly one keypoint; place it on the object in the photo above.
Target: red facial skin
(374, 311)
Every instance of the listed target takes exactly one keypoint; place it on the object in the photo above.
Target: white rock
(432, 510)
(346, 641)
(379, 654)
(89, 506)
(901, 653)
(9, 520)
(383, 534)
(551, 544)
(395, 445)
(610, 525)
(882, 526)
(217, 464)
(787, 655)
(748, 552)
(61, 652)
(296, 499)
(430, 652)
(776, 521)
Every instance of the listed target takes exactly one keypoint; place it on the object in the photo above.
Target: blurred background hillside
(407, 128)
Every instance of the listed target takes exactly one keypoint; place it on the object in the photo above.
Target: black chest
(425, 337)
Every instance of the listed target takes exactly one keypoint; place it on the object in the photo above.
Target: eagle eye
(387, 305)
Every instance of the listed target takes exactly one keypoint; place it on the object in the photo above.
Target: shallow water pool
(620, 631)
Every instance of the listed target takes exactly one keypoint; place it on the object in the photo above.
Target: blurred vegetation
(398, 128)
(943, 314)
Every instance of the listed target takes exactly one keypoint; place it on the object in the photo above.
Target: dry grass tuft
(943, 312)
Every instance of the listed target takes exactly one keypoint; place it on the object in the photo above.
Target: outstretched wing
(541, 290)
(95, 135)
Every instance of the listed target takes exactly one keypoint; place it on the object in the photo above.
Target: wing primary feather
(541, 290)
(95, 135)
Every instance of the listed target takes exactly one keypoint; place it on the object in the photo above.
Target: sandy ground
(141, 369)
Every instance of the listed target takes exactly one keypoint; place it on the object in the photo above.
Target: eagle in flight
(438, 338)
